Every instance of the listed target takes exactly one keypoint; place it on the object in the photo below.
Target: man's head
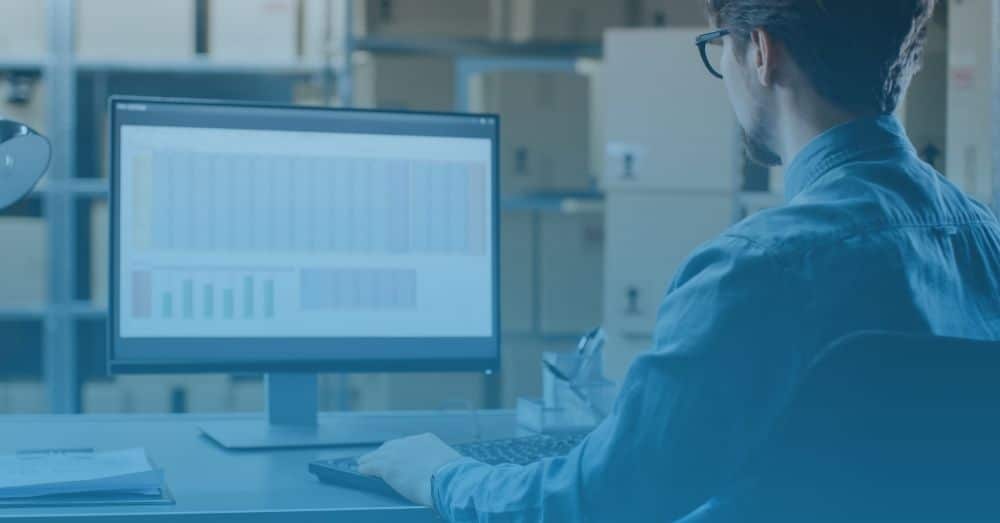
(852, 57)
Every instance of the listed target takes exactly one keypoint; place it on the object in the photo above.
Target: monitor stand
(293, 421)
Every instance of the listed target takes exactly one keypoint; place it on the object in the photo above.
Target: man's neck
(801, 121)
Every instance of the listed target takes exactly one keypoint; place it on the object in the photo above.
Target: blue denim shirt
(870, 238)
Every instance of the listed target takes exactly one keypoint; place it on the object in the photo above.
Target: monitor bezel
(117, 364)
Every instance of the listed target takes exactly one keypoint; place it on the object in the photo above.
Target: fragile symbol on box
(624, 161)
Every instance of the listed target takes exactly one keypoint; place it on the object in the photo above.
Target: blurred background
(619, 156)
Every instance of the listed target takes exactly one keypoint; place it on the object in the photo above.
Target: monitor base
(292, 421)
(249, 434)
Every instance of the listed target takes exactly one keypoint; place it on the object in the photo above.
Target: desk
(214, 485)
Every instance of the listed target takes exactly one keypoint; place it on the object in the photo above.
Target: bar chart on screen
(235, 294)
(193, 293)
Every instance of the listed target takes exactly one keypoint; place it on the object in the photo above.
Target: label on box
(624, 161)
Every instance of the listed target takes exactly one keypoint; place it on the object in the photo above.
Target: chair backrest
(883, 427)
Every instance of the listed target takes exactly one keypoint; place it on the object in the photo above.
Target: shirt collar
(840, 145)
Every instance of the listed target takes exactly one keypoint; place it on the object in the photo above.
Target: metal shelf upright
(59, 358)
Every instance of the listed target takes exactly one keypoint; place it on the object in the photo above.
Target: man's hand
(408, 464)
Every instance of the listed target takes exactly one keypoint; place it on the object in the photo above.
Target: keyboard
(517, 451)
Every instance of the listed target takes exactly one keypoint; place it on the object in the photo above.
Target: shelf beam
(27, 65)
(478, 47)
(557, 203)
(21, 313)
(199, 65)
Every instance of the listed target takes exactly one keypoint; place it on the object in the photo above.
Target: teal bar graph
(168, 305)
(209, 297)
(227, 304)
(188, 299)
(248, 296)
(269, 298)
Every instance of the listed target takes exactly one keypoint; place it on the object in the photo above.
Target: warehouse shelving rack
(63, 186)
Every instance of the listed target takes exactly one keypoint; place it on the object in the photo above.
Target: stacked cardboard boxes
(672, 160)
(586, 20)
(545, 122)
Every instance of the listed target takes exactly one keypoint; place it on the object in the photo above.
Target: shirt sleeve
(689, 412)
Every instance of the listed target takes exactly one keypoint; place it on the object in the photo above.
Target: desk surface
(214, 484)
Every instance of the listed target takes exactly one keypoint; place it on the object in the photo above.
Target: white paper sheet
(47, 473)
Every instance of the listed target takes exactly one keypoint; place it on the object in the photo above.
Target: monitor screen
(265, 237)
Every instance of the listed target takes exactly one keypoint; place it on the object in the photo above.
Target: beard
(758, 152)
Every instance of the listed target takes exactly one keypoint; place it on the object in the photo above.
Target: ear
(764, 56)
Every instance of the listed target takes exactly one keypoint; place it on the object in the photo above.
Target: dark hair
(859, 54)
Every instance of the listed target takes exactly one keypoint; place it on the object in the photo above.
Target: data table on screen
(265, 239)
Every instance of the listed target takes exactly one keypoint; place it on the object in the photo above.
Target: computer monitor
(293, 240)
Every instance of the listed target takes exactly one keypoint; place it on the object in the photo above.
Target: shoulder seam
(820, 243)
(747, 239)
(892, 227)
(767, 251)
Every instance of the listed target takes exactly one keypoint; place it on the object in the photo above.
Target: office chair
(884, 427)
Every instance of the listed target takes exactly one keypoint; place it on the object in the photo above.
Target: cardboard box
(587, 20)
(317, 15)
(518, 272)
(403, 82)
(254, 30)
(668, 122)
(545, 128)
(571, 275)
(424, 391)
(970, 97)
(101, 397)
(23, 30)
(669, 13)
(246, 395)
(23, 397)
(552, 268)
(425, 18)
(142, 394)
(521, 368)
(206, 392)
(25, 263)
(649, 236)
(23, 99)
(146, 30)
(574, 20)
(161, 394)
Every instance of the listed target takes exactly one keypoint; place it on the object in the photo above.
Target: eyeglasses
(710, 46)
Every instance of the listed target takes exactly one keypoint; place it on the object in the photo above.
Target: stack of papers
(47, 473)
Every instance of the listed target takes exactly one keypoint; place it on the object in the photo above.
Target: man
(870, 238)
